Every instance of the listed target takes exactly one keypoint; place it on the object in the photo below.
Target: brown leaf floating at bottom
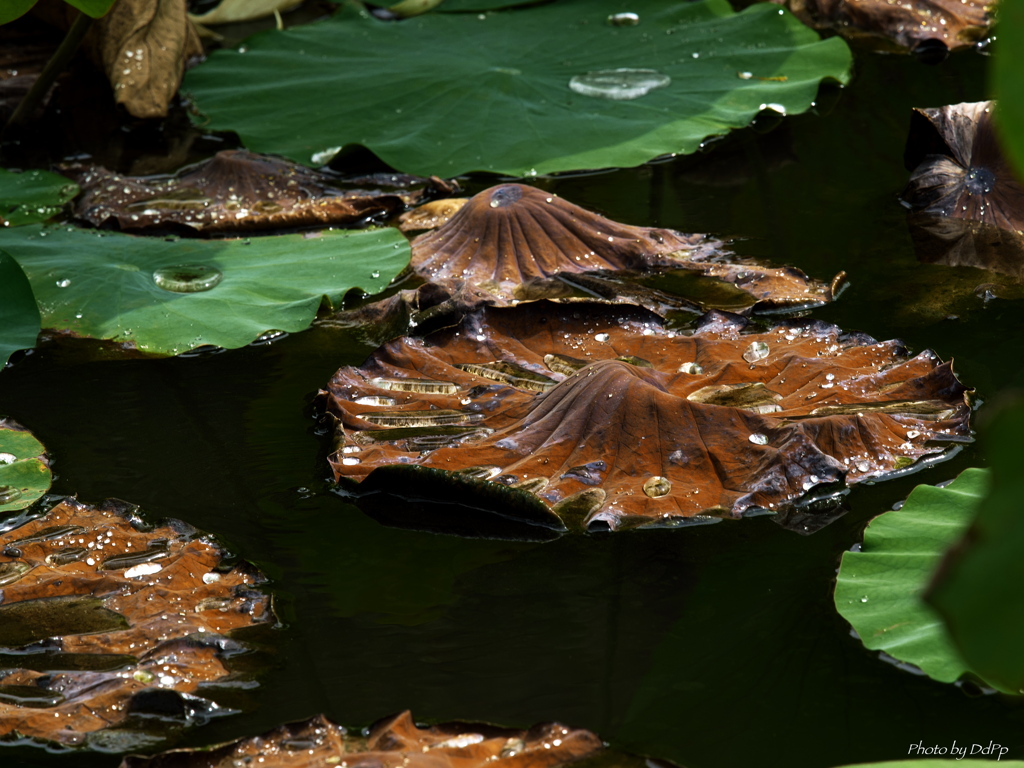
(393, 743)
(101, 612)
(602, 415)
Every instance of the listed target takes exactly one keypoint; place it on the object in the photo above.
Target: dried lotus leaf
(727, 422)
(120, 612)
(395, 741)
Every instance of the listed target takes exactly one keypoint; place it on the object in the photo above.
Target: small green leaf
(24, 476)
(32, 196)
(94, 8)
(19, 315)
(878, 590)
(168, 296)
(522, 92)
(980, 591)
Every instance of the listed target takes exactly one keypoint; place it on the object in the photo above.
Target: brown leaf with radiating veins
(143, 46)
(965, 243)
(519, 243)
(608, 418)
(906, 23)
(116, 614)
(431, 215)
(395, 742)
(962, 172)
(235, 190)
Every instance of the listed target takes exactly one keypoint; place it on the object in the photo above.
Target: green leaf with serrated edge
(878, 590)
(24, 477)
(980, 588)
(103, 285)
(451, 93)
(32, 196)
(19, 315)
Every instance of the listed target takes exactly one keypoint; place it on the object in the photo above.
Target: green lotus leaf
(19, 315)
(878, 590)
(24, 471)
(1007, 84)
(978, 591)
(32, 196)
(13, 9)
(521, 92)
(220, 292)
(94, 8)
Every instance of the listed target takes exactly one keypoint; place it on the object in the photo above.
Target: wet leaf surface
(962, 173)
(515, 243)
(393, 742)
(417, 109)
(168, 296)
(24, 468)
(111, 628)
(19, 315)
(599, 416)
(879, 588)
(32, 196)
(430, 215)
(233, 191)
(942, 25)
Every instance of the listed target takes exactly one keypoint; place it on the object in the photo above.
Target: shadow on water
(713, 646)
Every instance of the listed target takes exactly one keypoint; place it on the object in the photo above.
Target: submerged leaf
(879, 588)
(510, 240)
(24, 468)
(32, 196)
(395, 741)
(917, 25)
(458, 93)
(19, 315)
(168, 296)
(126, 621)
(610, 419)
(233, 191)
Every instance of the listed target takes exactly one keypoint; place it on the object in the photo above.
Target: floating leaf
(125, 620)
(396, 741)
(509, 239)
(233, 191)
(19, 315)
(977, 589)
(430, 215)
(24, 468)
(610, 419)
(228, 11)
(879, 588)
(170, 296)
(456, 93)
(32, 196)
(930, 28)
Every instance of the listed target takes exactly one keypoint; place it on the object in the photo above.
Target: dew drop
(350, 461)
(758, 439)
(63, 283)
(602, 337)
(864, 599)
(624, 19)
(7, 458)
(187, 278)
(375, 274)
(657, 486)
(691, 368)
(619, 84)
(8, 493)
(756, 351)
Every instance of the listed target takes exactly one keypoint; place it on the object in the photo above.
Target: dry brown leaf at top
(396, 742)
(517, 243)
(962, 173)
(906, 23)
(235, 190)
(117, 615)
(607, 418)
(144, 46)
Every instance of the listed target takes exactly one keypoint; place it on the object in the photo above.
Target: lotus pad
(104, 286)
(450, 93)
(19, 315)
(607, 418)
(24, 469)
(138, 615)
(32, 196)
(879, 589)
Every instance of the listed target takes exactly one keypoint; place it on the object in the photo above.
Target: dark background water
(714, 646)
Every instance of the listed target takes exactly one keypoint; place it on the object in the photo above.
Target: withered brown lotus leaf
(102, 612)
(966, 243)
(519, 243)
(610, 418)
(233, 191)
(392, 743)
(962, 172)
(905, 23)
(430, 215)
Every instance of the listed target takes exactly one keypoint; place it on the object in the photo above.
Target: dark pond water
(716, 646)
